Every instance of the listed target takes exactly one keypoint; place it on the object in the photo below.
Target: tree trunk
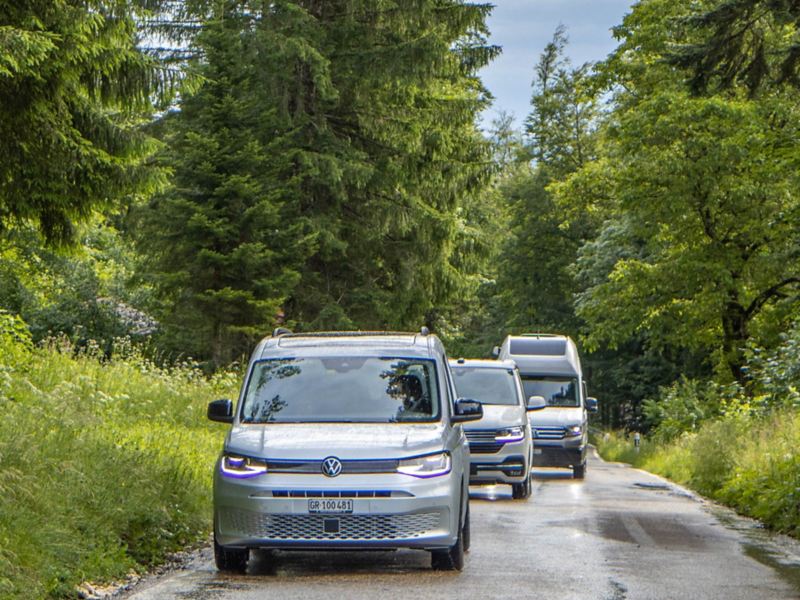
(735, 336)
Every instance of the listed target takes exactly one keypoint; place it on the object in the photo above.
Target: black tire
(522, 490)
(230, 559)
(579, 471)
(452, 558)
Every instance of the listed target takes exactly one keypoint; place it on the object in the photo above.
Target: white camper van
(551, 369)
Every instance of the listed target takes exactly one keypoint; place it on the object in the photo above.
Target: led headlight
(574, 430)
(509, 435)
(431, 465)
(242, 467)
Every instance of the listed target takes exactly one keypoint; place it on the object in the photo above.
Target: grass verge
(105, 466)
(746, 462)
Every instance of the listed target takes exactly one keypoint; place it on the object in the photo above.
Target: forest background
(178, 177)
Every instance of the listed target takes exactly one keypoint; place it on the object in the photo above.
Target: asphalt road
(620, 534)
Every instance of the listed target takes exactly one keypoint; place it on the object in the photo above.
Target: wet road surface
(621, 534)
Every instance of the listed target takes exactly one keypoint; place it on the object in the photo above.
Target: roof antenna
(424, 330)
(280, 331)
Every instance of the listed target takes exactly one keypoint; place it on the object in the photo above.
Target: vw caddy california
(344, 440)
(500, 444)
(550, 368)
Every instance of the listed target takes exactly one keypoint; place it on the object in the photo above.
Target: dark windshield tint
(487, 386)
(538, 346)
(557, 391)
(341, 389)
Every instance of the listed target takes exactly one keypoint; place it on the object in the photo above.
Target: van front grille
(331, 494)
(482, 441)
(485, 448)
(281, 527)
(548, 433)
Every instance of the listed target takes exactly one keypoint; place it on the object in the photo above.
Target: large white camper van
(551, 368)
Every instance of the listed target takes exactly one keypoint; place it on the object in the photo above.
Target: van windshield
(557, 391)
(487, 386)
(341, 389)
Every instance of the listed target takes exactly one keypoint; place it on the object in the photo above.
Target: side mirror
(536, 403)
(221, 411)
(467, 410)
(591, 404)
(496, 351)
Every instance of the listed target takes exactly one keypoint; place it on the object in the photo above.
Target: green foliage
(106, 466)
(682, 407)
(765, 480)
(702, 202)
(74, 89)
(92, 301)
(774, 375)
(748, 42)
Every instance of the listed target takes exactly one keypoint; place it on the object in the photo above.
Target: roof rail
(542, 335)
(322, 334)
(281, 331)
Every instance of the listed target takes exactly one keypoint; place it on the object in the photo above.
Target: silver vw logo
(331, 466)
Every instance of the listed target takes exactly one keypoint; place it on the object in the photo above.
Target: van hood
(310, 441)
(496, 416)
(554, 416)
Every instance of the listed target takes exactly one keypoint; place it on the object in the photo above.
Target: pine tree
(74, 88)
(750, 42)
(352, 127)
(404, 155)
(219, 250)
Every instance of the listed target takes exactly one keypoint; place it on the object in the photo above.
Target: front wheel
(230, 559)
(579, 471)
(452, 558)
(521, 491)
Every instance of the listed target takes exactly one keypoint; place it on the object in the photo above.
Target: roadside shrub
(745, 460)
(766, 481)
(775, 374)
(713, 453)
(683, 407)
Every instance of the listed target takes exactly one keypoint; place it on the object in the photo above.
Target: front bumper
(566, 453)
(388, 511)
(512, 469)
(499, 463)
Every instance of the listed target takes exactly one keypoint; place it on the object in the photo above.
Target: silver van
(500, 444)
(344, 440)
(550, 368)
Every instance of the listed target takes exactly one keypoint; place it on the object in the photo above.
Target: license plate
(537, 450)
(330, 506)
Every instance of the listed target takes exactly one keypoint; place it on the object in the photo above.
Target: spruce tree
(407, 157)
(351, 126)
(74, 88)
(219, 250)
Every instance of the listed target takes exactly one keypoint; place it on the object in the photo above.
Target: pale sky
(524, 27)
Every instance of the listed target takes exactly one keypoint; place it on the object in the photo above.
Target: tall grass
(749, 462)
(105, 466)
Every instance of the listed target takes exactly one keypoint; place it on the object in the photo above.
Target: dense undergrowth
(747, 461)
(105, 465)
(739, 446)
